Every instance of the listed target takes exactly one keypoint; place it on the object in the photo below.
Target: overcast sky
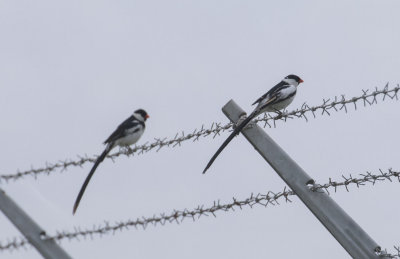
(71, 71)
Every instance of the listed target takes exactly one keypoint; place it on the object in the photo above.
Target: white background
(71, 71)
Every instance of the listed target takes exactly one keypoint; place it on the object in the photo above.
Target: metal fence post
(346, 231)
(33, 232)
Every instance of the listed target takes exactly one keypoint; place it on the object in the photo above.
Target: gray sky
(71, 71)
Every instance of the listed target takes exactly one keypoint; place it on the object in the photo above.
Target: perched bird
(127, 133)
(277, 98)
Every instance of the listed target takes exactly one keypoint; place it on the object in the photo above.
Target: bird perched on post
(127, 133)
(277, 98)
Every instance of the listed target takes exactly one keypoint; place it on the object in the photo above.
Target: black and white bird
(277, 98)
(127, 133)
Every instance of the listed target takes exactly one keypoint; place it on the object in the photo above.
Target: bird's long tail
(226, 142)
(96, 164)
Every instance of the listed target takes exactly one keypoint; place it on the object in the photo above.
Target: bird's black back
(281, 85)
(121, 130)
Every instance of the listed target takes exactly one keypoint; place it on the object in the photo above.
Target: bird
(126, 134)
(277, 98)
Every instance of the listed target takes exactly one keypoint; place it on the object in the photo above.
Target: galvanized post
(36, 236)
(346, 231)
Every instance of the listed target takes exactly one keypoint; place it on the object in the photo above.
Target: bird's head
(293, 80)
(141, 114)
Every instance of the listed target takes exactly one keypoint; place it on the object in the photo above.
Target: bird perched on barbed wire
(127, 133)
(277, 98)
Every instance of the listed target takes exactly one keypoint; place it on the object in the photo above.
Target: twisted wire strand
(178, 216)
(336, 104)
(385, 254)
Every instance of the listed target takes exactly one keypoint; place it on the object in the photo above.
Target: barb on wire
(361, 180)
(385, 254)
(14, 244)
(178, 216)
(336, 104)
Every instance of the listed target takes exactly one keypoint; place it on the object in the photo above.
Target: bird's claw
(279, 113)
(126, 149)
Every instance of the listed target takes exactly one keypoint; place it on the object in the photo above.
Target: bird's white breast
(130, 138)
(279, 106)
(283, 96)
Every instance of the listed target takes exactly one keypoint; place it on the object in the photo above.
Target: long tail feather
(226, 142)
(96, 164)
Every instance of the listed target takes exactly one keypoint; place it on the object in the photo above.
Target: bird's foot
(280, 114)
(126, 149)
(129, 149)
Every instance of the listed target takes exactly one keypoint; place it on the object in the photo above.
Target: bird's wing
(278, 94)
(129, 126)
(271, 91)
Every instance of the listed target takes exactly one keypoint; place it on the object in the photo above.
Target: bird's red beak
(147, 116)
(301, 81)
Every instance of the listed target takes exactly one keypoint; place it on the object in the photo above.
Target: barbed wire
(14, 244)
(178, 216)
(362, 179)
(385, 254)
(336, 104)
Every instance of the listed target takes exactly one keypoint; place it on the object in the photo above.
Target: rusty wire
(270, 198)
(336, 104)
